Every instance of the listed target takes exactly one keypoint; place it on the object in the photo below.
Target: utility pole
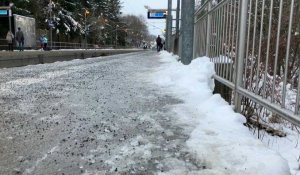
(86, 12)
(50, 16)
(187, 30)
(9, 15)
(169, 26)
(116, 35)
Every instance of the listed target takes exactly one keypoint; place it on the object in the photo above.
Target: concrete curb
(17, 59)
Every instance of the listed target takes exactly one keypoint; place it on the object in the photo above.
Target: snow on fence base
(219, 140)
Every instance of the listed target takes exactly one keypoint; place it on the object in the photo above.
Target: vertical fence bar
(208, 30)
(222, 29)
(219, 25)
(253, 44)
(241, 52)
(222, 40)
(212, 48)
(228, 69)
(248, 44)
(259, 47)
(225, 40)
(287, 54)
(268, 49)
(236, 38)
(233, 37)
(212, 36)
(196, 43)
(198, 39)
(204, 27)
(229, 41)
(215, 34)
(298, 94)
(217, 39)
(277, 49)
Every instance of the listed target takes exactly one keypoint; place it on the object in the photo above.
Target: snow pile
(219, 139)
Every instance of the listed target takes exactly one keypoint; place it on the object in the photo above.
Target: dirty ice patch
(138, 150)
(219, 138)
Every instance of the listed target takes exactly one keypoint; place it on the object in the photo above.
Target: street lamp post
(86, 12)
(10, 14)
(117, 35)
(50, 18)
(169, 26)
(187, 30)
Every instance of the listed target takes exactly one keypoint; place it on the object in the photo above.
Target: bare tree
(136, 29)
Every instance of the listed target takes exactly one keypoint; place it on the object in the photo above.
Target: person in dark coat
(158, 43)
(20, 39)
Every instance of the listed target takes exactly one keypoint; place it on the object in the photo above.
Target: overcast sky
(136, 7)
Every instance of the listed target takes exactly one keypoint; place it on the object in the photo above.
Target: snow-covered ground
(219, 134)
(136, 113)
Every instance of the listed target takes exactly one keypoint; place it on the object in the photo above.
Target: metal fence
(255, 45)
(68, 45)
(58, 45)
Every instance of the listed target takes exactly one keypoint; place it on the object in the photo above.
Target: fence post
(241, 52)
(187, 30)
(208, 29)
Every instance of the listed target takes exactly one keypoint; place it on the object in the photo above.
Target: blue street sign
(3, 12)
(157, 15)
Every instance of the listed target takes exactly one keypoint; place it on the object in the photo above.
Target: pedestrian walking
(20, 39)
(158, 43)
(10, 39)
(45, 42)
(41, 41)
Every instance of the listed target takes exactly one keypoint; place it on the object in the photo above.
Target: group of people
(19, 38)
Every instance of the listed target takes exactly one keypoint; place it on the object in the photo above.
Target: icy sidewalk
(219, 139)
(124, 114)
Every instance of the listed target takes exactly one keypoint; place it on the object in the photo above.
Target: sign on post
(3, 12)
(157, 14)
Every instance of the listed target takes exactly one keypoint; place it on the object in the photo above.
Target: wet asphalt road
(95, 116)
